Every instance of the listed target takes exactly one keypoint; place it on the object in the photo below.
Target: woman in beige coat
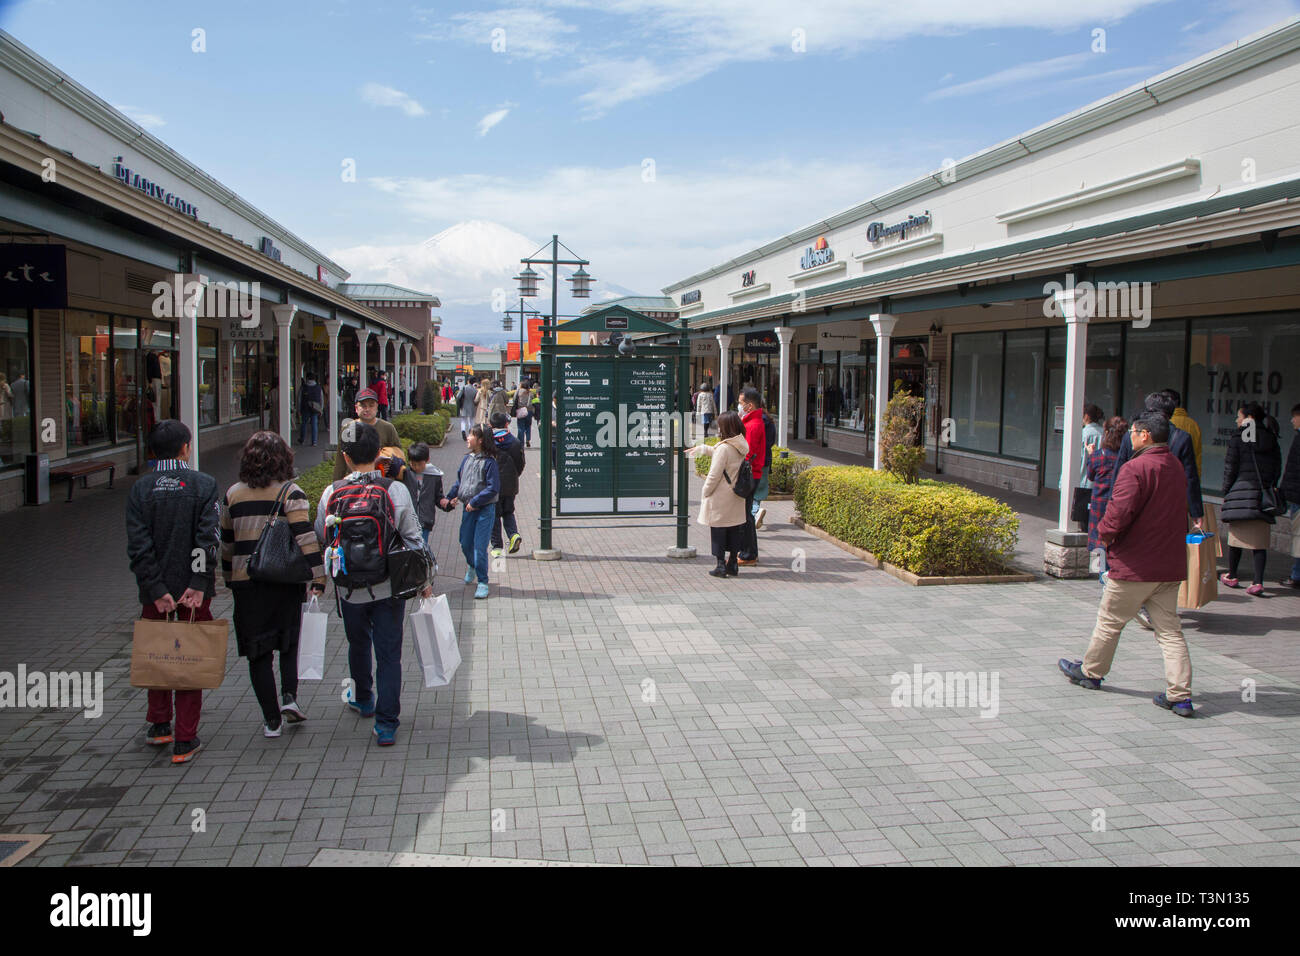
(720, 507)
(481, 402)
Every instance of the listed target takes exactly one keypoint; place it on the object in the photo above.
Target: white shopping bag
(311, 641)
(436, 649)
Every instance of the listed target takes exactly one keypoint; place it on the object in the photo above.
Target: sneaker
(1073, 670)
(290, 710)
(159, 734)
(495, 552)
(1143, 618)
(1228, 581)
(365, 710)
(758, 519)
(481, 591)
(1183, 708)
(183, 751)
(1255, 590)
(515, 541)
(269, 731)
(1289, 583)
(385, 736)
(469, 576)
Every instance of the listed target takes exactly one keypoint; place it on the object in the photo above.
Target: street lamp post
(527, 279)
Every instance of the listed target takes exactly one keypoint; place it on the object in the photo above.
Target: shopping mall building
(1149, 240)
(135, 287)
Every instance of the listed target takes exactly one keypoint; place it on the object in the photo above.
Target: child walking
(478, 484)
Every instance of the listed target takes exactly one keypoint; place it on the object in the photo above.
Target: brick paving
(621, 707)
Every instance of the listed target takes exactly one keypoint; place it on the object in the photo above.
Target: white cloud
(527, 33)
(137, 115)
(1025, 73)
(492, 119)
(376, 94)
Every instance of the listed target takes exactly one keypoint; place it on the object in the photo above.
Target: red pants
(188, 702)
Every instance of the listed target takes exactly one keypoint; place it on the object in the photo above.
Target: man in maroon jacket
(1144, 533)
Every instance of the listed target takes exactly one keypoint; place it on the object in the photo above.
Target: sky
(657, 138)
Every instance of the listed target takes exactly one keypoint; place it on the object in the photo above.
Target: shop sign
(762, 343)
(704, 347)
(263, 331)
(616, 321)
(818, 254)
(839, 336)
(878, 231)
(747, 278)
(33, 275)
(151, 188)
(690, 298)
(268, 248)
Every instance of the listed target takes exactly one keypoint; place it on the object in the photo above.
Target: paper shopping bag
(311, 641)
(1211, 526)
(179, 655)
(1202, 583)
(436, 649)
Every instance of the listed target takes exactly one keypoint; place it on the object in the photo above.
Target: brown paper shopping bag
(179, 655)
(1202, 584)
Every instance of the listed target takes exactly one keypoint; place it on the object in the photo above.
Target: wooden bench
(70, 473)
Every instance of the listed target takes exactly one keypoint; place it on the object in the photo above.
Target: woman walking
(521, 410)
(1251, 467)
(268, 615)
(1099, 472)
(721, 509)
(482, 399)
(478, 485)
(704, 406)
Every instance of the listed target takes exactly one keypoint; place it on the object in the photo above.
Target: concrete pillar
(884, 326)
(363, 337)
(724, 370)
(1076, 356)
(785, 335)
(284, 324)
(334, 327)
(190, 293)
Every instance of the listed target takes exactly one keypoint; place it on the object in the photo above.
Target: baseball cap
(367, 394)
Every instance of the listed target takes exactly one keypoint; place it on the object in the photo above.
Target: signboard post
(618, 426)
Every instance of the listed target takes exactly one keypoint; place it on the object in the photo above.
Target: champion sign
(818, 254)
(878, 230)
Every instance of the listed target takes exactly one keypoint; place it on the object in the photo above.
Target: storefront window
(127, 389)
(243, 375)
(852, 391)
(16, 438)
(1022, 417)
(209, 377)
(977, 390)
(1235, 360)
(158, 339)
(87, 376)
(1153, 361)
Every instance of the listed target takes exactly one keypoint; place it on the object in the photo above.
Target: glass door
(1054, 425)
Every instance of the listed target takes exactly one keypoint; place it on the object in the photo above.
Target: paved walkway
(619, 707)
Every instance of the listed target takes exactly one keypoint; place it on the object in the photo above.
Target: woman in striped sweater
(268, 616)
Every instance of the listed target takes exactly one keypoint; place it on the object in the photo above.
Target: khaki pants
(1119, 603)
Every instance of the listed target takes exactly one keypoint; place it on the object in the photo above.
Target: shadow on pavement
(1270, 701)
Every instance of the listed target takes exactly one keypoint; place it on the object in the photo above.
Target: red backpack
(363, 521)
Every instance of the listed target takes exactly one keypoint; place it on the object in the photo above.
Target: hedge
(313, 481)
(930, 528)
(416, 426)
(784, 470)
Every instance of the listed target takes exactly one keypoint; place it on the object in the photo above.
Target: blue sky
(657, 137)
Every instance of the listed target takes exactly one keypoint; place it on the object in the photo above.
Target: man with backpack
(510, 465)
(751, 416)
(761, 490)
(362, 518)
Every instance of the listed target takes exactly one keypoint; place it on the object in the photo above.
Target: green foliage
(703, 462)
(416, 426)
(786, 470)
(926, 527)
(313, 482)
(430, 398)
(901, 451)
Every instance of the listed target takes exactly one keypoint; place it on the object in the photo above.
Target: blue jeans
(377, 623)
(314, 418)
(525, 429)
(475, 531)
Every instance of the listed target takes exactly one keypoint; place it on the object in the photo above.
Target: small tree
(900, 451)
(429, 398)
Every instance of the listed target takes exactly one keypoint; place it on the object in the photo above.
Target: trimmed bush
(415, 426)
(430, 399)
(703, 462)
(930, 528)
(313, 482)
(786, 470)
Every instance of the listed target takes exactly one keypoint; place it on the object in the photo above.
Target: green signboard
(614, 447)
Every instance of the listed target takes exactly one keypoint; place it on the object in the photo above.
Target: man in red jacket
(751, 414)
(1144, 533)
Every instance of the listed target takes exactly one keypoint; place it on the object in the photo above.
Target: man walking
(172, 538)
(751, 415)
(1144, 533)
(367, 408)
(510, 465)
(310, 405)
(465, 405)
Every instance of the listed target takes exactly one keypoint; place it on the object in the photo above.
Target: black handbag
(410, 571)
(1271, 502)
(1079, 505)
(277, 558)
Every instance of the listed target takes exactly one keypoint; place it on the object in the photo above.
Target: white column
(1076, 356)
(334, 327)
(284, 324)
(363, 338)
(724, 370)
(884, 326)
(383, 356)
(785, 335)
(192, 291)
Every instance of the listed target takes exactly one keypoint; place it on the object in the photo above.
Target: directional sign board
(613, 450)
